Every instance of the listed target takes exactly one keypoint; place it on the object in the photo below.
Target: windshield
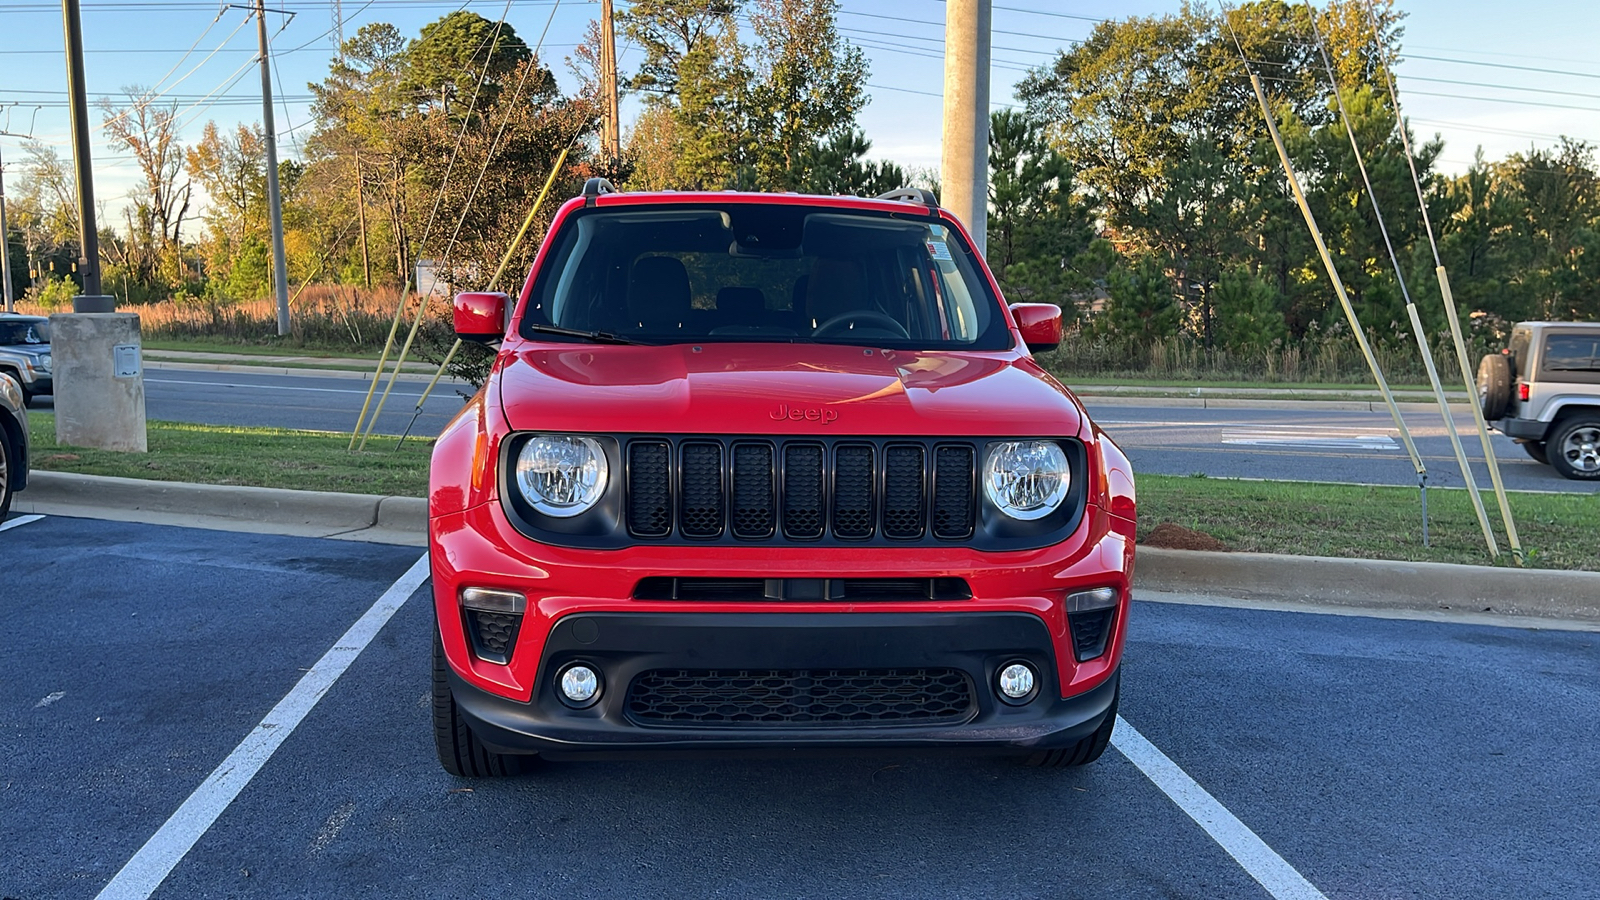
(24, 332)
(765, 273)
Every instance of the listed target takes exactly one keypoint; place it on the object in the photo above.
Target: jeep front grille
(850, 489)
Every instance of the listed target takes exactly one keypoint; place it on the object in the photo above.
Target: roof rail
(912, 195)
(593, 188)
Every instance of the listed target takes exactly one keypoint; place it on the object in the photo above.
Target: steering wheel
(863, 316)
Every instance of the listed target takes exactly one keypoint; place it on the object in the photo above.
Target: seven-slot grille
(800, 490)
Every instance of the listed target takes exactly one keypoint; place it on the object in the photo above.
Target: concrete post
(280, 271)
(964, 159)
(99, 381)
(5, 243)
(91, 300)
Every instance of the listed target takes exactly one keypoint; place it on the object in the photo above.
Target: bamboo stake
(1344, 300)
(1411, 306)
(1489, 456)
(388, 344)
(493, 281)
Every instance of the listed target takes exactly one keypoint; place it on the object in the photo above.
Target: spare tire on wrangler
(1494, 386)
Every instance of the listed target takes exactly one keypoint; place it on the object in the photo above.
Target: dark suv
(771, 472)
(1543, 390)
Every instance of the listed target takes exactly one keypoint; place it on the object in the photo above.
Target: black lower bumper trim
(1526, 429)
(623, 647)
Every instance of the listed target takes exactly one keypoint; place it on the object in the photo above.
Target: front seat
(833, 287)
(658, 295)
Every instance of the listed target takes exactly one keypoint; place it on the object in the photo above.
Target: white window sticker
(939, 250)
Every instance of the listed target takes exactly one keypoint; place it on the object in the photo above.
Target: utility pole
(361, 217)
(280, 268)
(91, 300)
(964, 159)
(610, 127)
(5, 240)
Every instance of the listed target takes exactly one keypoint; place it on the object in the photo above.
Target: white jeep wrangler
(1543, 391)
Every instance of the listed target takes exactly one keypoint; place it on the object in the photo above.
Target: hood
(776, 388)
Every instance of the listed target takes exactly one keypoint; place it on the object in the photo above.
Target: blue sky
(1482, 52)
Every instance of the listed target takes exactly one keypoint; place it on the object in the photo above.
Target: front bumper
(625, 646)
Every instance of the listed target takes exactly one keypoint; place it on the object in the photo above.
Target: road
(1312, 444)
(1305, 443)
(291, 401)
(1374, 757)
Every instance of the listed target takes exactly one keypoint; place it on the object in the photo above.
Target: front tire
(8, 473)
(1085, 751)
(460, 751)
(1574, 449)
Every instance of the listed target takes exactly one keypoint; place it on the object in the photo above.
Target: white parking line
(142, 874)
(18, 522)
(1263, 863)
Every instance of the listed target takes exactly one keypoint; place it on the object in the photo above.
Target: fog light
(580, 685)
(1016, 682)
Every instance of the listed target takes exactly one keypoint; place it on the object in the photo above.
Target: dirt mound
(1172, 536)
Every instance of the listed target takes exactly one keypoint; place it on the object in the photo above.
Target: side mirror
(1040, 324)
(481, 316)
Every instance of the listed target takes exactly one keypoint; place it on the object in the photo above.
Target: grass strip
(265, 347)
(259, 457)
(1304, 519)
(1557, 529)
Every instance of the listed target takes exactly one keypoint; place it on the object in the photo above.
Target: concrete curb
(1308, 580)
(362, 517)
(1371, 584)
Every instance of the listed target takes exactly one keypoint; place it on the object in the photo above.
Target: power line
(1493, 65)
(1502, 87)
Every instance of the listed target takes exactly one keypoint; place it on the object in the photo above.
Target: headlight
(44, 362)
(561, 476)
(1026, 479)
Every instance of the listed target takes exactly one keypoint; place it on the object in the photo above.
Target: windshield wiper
(598, 337)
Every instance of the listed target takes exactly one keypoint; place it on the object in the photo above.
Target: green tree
(230, 170)
(807, 89)
(1247, 313)
(1039, 226)
(456, 53)
(668, 31)
(1142, 308)
(840, 166)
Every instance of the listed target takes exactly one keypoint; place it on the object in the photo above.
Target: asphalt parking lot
(1370, 757)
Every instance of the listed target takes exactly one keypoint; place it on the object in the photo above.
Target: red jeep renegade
(771, 472)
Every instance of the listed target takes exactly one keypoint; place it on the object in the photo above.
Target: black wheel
(1536, 449)
(1087, 750)
(1494, 386)
(1574, 448)
(8, 473)
(460, 751)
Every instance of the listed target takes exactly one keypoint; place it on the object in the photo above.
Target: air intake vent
(649, 489)
(953, 486)
(852, 492)
(805, 698)
(802, 491)
(701, 515)
(753, 504)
